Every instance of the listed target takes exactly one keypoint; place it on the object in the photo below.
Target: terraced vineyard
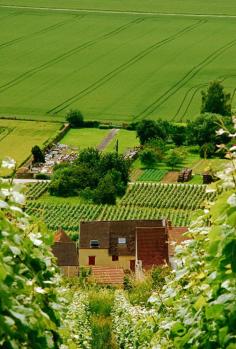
(36, 190)
(152, 175)
(177, 196)
(177, 217)
(176, 202)
(63, 215)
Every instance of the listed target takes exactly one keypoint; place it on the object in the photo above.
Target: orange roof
(106, 275)
(61, 236)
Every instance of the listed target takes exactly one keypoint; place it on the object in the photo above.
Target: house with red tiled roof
(124, 244)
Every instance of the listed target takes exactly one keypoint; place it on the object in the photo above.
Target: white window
(121, 241)
(94, 244)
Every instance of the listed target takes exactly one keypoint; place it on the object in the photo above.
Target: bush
(148, 157)
(43, 176)
(132, 126)
(149, 129)
(178, 135)
(159, 275)
(207, 150)
(75, 119)
(105, 127)
(91, 124)
(175, 158)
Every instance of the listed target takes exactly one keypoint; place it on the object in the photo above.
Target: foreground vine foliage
(29, 301)
(133, 326)
(197, 306)
(76, 329)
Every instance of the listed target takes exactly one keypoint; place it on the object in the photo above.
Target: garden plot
(18, 137)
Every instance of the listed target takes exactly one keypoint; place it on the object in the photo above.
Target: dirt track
(107, 139)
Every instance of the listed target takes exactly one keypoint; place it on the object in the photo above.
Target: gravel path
(107, 139)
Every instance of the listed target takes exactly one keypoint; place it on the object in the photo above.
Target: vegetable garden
(152, 175)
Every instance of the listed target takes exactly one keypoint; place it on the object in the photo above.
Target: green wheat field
(112, 63)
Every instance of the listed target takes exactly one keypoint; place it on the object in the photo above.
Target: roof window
(94, 244)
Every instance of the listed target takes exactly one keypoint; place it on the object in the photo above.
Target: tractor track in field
(42, 31)
(107, 77)
(6, 133)
(15, 14)
(182, 82)
(66, 55)
(195, 89)
(107, 11)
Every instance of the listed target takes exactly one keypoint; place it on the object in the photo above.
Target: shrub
(91, 124)
(75, 119)
(207, 150)
(42, 176)
(148, 157)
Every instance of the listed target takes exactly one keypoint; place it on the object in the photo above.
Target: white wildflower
(35, 238)
(232, 200)
(233, 148)
(5, 192)
(17, 209)
(18, 197)
(3, 204)
(220, 132)
(8, 163)
(210, 190)
(39, 290)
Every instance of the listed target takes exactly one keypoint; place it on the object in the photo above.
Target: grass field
(84, 137)
(19, 137)
(126, 140)
(226, 7)
(113, 66)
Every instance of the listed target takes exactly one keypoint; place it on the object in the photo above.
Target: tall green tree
(106, 191)
(150, 129)
(38, 155)
(216, 100)
(175, 158)
(203, 130)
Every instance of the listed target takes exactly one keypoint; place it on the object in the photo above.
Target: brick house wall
(152, 246)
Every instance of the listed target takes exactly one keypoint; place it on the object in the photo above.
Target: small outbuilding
(66, 252)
